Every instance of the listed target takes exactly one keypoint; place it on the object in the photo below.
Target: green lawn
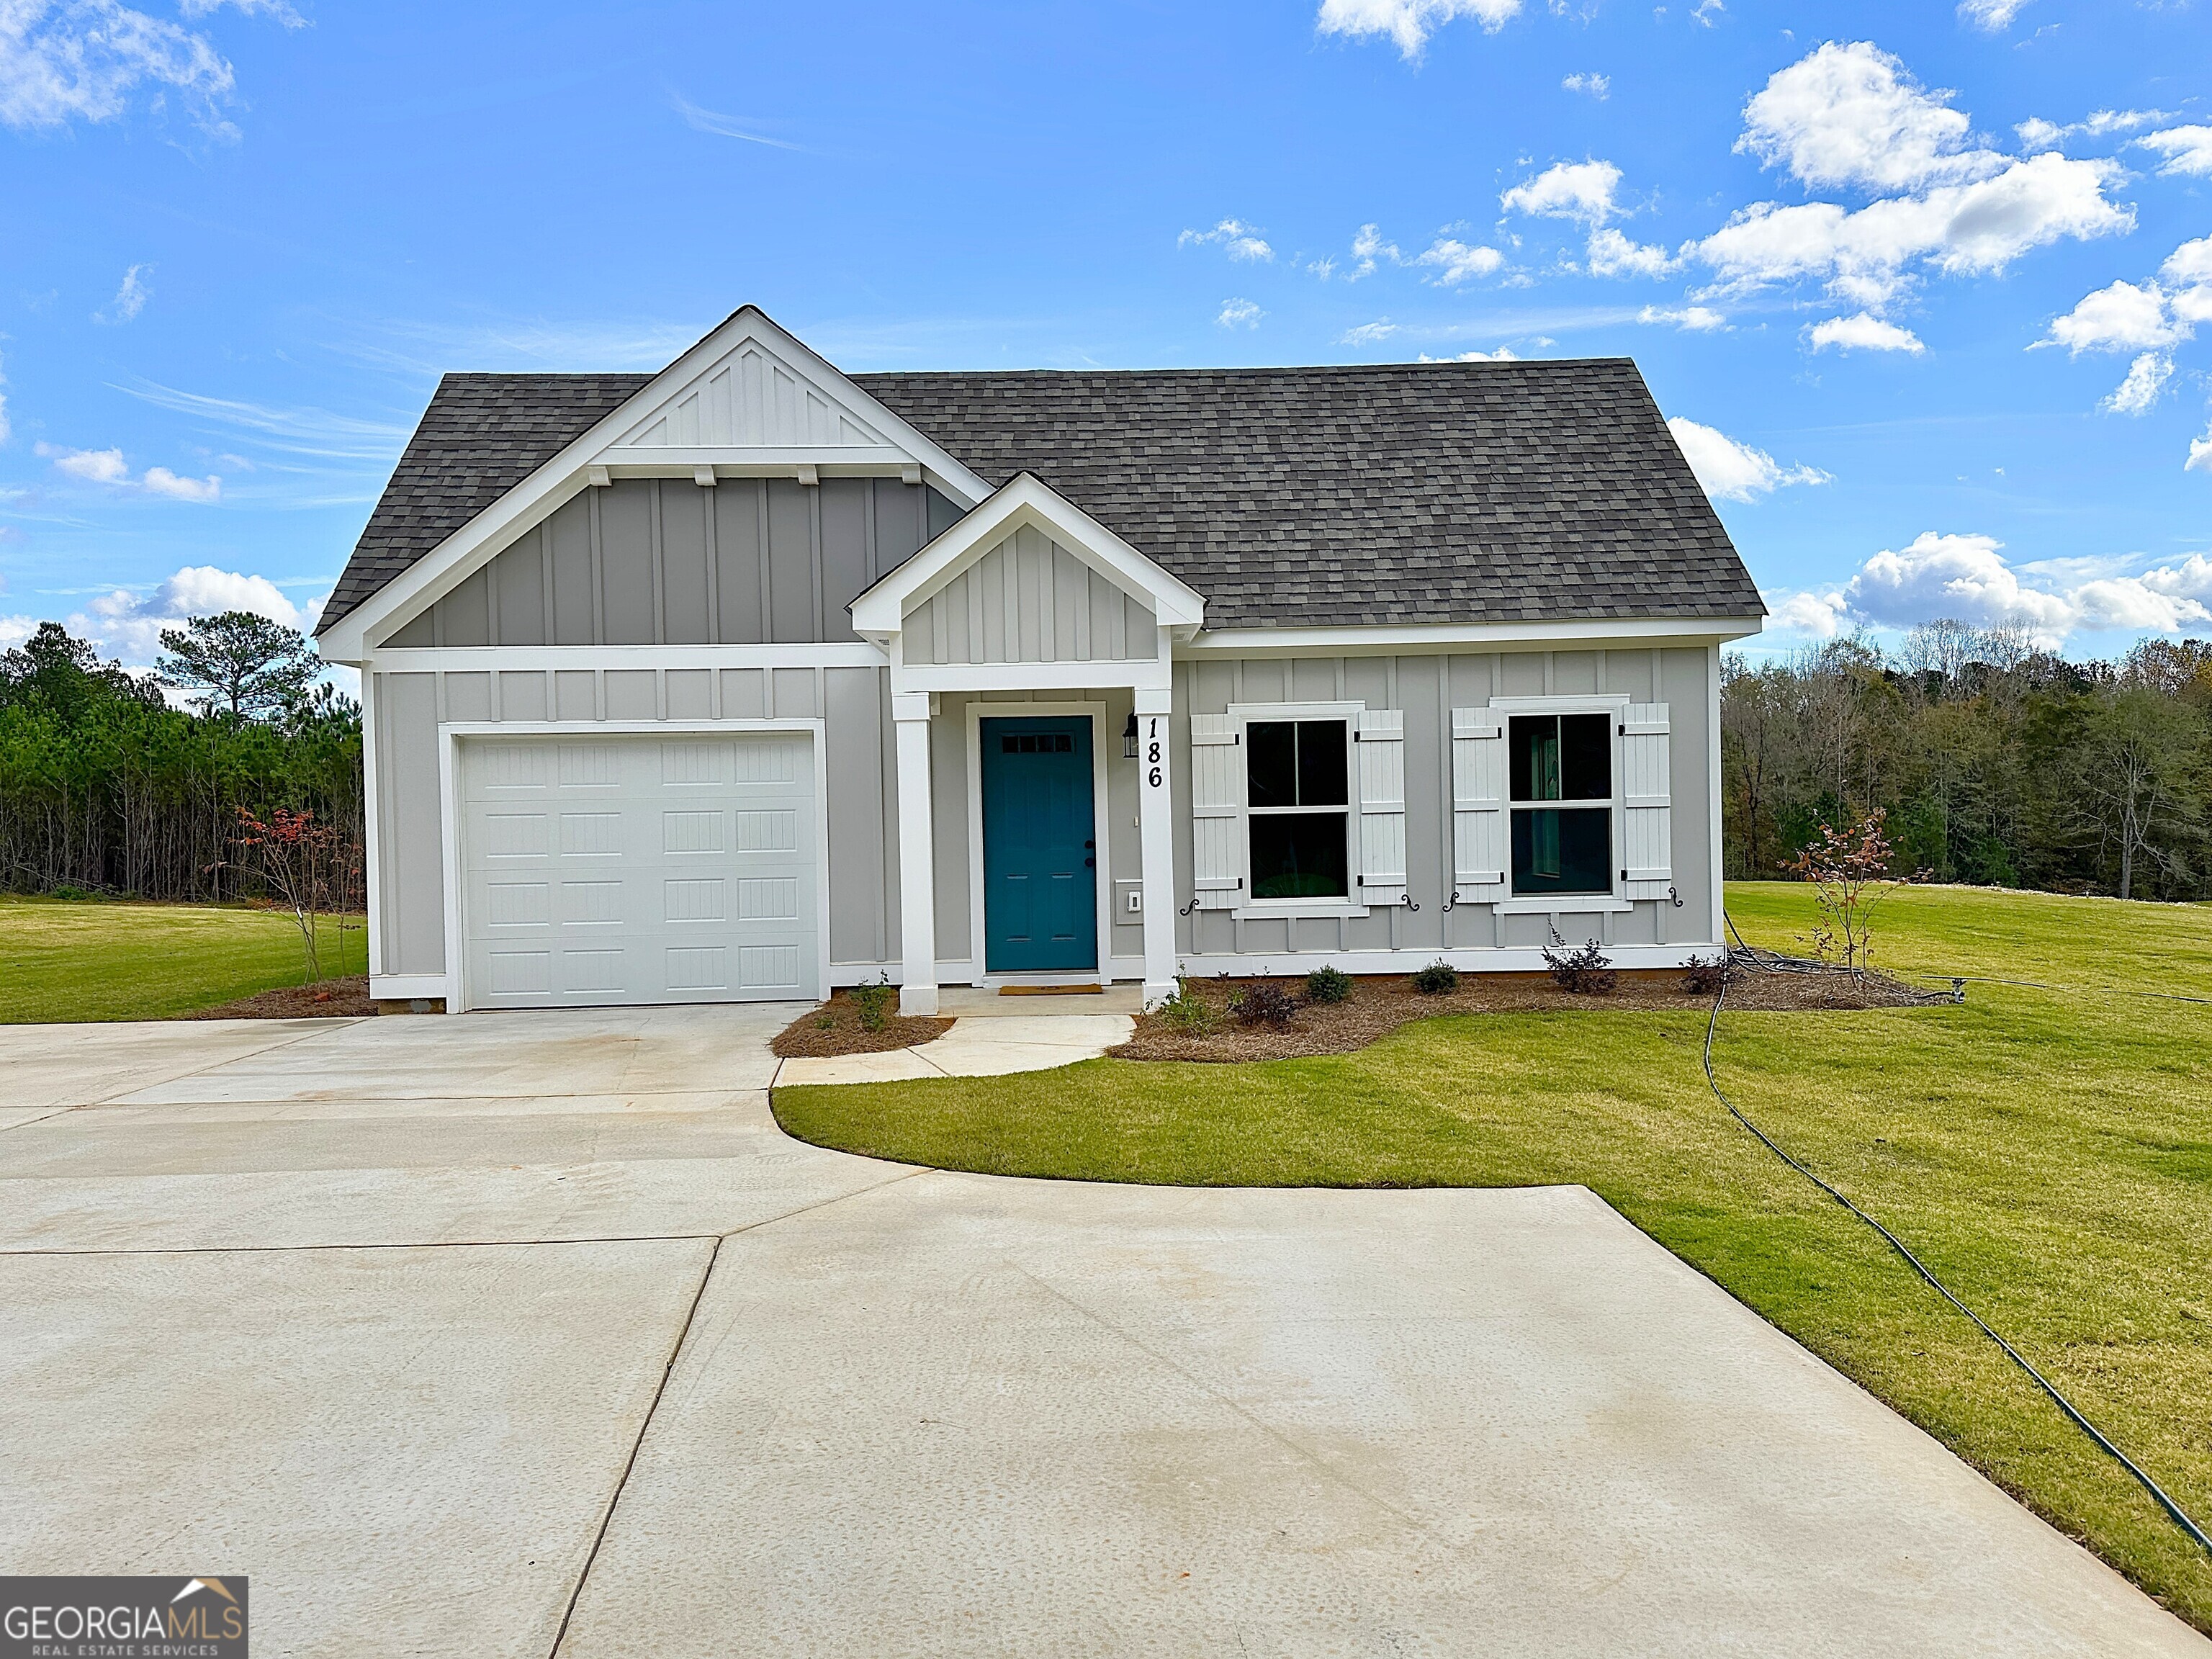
(2048, 1152)
(84, 960)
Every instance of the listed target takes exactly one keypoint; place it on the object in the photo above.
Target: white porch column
(911, 712)
(1155, 791)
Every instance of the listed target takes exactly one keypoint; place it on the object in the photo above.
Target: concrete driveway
(528, 1333)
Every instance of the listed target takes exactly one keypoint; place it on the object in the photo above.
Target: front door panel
(1040, 868)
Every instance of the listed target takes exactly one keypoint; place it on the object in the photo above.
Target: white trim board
(496, 659)
(1467, 959)
(977, 713)
(451, 733)
(1413, 638)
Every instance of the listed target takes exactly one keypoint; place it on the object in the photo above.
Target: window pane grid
(1564, 849)
(1291, 768)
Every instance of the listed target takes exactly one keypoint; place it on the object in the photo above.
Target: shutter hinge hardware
(1675, 895)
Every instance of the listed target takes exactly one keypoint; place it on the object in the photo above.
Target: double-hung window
(1298, 807)
(1562, 804)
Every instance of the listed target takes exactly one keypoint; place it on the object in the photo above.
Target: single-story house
(752, 678)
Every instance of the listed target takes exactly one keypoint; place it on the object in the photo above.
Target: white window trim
(1254, 909)
(1615, 707)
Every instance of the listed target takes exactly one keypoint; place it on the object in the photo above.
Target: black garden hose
(2180, 1515)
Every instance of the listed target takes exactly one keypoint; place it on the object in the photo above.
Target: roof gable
(1023, 501)
(748, 397)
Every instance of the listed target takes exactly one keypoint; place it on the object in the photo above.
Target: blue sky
(1918, 285)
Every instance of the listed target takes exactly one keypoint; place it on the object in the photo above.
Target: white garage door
(638, 869)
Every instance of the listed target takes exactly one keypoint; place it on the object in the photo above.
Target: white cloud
(1735, 471)
(2120, 318)
(2200, 453)
(1239, 313)
(1854, 115)
(1990, 14)
(742, 127)
(1967, 577)
(1814, 616)
(1705, 11)
(1582, 190)
(13, 630)
(1409, 23)
(128, 624)
(1239, 240)
(130, 298)
(1971, 229)
(160, 481)
(65, 60)
(2189, 264)
(107, 466)
(1612, 254)
(92, 465)
(2187, 150)
(1864, 332)
(1367, 333)
(1456, 261)
(279, 10)
(1599, 87)
(1503, 354)
(2146, 380)
(2038, 134)
(1367, 248)
(1694, 319)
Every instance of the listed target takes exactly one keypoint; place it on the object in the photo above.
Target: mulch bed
(835, 1029)
(1380, 1005)
(333, 999)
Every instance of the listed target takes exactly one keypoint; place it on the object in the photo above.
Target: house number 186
(1152, 755)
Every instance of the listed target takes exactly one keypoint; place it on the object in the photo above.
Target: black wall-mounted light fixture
(1129, 738)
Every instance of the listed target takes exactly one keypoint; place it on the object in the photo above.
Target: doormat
(1051, 990)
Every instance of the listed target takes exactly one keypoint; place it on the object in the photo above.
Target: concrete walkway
(531, 1334)
(990, 1044)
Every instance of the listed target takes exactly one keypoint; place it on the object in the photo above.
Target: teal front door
(1040, 863)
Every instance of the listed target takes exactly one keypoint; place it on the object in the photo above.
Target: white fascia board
(1024, 500)
(538, 659)
(1393, 638)
(437, 572)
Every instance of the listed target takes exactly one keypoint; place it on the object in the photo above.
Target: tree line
(1993, 762)
(106, 785)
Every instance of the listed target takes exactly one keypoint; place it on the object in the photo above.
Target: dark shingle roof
(482, 435)
(1404, 493)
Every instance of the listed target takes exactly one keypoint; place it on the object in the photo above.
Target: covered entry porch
(1030, 658)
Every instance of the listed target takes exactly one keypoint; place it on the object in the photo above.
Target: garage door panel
(639, 869)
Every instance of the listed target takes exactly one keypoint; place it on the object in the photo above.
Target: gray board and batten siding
(668, 561)
(630, 564)
(1028, 599)
(1427, 689)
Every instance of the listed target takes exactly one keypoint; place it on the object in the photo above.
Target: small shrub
(1264, 1004)
(875, 999)
(1328, 985)
(1702, 978)
(70, 890)
(1438, 978)
(1585, 973)
(1189, 1013)
(826, 1023)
